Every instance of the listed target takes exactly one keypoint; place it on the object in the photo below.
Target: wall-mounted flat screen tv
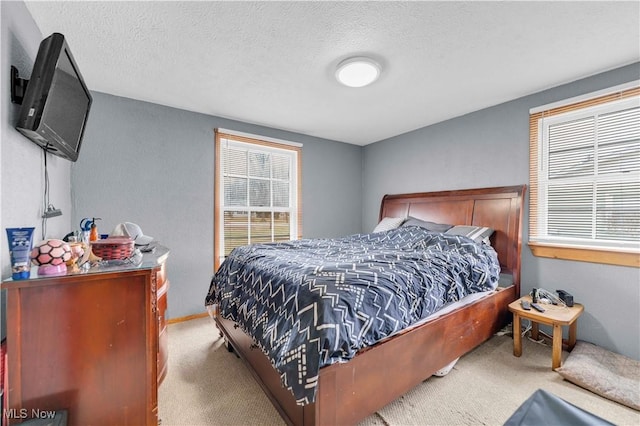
(56, 103)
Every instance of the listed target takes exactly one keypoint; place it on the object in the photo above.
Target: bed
(347, 392)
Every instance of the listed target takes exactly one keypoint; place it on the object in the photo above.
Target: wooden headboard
(499, 208)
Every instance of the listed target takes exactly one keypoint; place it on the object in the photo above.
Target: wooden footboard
(349, 392)
(396, 366)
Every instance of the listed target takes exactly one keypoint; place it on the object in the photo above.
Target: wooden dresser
(93, 343)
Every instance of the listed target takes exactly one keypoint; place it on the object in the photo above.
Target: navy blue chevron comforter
(314, 302)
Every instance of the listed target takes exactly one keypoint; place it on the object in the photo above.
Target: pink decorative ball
(51, 252)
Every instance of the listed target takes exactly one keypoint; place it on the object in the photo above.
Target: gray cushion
(603, 372)
(431, 226)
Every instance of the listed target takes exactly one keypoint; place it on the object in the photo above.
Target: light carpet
(207, 385)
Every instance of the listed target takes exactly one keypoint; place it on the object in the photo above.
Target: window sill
(594, 255)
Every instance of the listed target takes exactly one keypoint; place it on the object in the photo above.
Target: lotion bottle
(93, 235)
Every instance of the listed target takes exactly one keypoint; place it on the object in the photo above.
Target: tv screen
(56, 103)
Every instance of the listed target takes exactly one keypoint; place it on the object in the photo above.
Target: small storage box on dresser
(113, 248)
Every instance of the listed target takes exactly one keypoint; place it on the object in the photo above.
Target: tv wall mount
(18, 86)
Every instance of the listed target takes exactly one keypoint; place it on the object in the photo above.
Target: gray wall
(154, 165)
(22, 171)
(21, 161)
(491, 148)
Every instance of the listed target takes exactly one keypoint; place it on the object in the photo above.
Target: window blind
(585, 173)
(258, 193)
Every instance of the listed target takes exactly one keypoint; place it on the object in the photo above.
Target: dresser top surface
(149, 261)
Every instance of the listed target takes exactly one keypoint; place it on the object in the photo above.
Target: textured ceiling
(273, 63)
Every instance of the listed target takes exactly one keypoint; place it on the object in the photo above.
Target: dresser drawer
(163, 332)
(161, 275)
(162, 306)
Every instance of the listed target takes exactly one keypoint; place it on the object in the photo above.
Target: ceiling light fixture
(358, 71)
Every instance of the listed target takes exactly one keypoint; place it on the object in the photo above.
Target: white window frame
(250, 143)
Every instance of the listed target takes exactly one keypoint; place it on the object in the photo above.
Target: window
(257, 192)
(585, 179)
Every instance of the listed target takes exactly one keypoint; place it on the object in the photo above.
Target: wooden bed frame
(349, 392)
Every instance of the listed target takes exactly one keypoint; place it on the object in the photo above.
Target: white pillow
(388, 223)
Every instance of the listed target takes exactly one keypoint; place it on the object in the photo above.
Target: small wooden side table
(555, 316)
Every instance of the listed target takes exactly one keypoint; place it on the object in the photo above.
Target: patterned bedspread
(314, 302)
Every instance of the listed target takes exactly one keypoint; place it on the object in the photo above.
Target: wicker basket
(113, 248)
